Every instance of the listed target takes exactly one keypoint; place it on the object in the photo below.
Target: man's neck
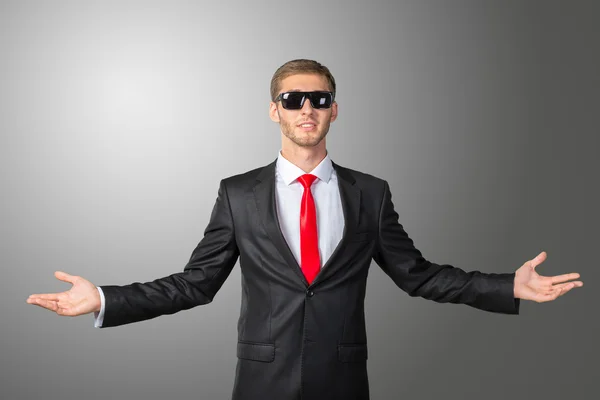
(305, 158)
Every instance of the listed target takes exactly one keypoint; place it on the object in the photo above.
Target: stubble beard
(303, 139)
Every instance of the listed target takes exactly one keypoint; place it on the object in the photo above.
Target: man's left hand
(529, 285)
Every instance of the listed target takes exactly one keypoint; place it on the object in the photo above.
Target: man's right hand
(82, 298)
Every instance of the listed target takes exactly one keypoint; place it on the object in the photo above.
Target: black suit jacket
(300, 341)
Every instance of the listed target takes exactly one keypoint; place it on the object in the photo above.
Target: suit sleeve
(405, 265)
(209, 266)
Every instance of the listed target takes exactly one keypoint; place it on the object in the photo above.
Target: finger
(540, 258)
(48, 304)
(53, 306)
(569, 289)
(569, 285)
(63, 276)
(541, 298)
(564, 278)
(45, 296)
(565, 289)
(68, 311)
(559, 290)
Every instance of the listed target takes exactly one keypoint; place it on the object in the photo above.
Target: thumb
(540, 258)
(63, 276)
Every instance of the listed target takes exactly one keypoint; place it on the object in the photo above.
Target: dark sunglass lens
(292, 100)
(321, 99)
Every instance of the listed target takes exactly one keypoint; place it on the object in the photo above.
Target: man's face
(291, 121)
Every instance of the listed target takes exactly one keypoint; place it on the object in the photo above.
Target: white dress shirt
(288, 195)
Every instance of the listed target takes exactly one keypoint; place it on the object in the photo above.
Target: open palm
(529, 285)
(82, 298)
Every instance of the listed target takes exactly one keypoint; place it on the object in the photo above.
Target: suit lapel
(350, 196)
(264, 195)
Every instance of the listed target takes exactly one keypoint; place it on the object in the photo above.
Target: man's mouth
(307, 126)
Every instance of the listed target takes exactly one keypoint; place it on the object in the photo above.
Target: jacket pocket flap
(264, 352)
(352, 352)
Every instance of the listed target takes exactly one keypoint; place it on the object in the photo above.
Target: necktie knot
(306, 180)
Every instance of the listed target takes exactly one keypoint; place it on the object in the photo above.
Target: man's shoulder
(249, 177)
(361, 177)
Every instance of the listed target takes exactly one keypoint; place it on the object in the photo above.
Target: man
(306, 230)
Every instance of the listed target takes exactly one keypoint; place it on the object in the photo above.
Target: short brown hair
(299, 66)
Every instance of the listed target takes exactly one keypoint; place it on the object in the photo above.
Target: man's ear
(334, 111)
(273, 114)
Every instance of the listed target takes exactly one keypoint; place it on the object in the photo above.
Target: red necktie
(309, 242)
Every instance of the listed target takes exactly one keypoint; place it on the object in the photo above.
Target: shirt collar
(290, 172)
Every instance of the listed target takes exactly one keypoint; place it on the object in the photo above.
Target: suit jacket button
(310, 293)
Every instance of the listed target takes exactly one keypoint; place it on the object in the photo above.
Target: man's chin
(311, 142)
(305, 139)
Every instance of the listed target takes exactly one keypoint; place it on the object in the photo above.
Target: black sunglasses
(295, 100)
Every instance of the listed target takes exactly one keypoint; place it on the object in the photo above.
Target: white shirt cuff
(99, 316)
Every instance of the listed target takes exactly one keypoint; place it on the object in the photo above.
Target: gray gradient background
(118, 120)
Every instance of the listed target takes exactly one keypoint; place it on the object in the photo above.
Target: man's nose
(307, 107)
